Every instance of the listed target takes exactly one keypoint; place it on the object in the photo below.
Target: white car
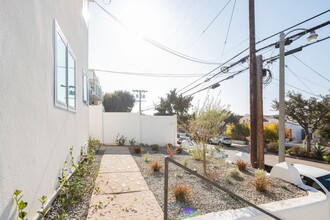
(315, 177)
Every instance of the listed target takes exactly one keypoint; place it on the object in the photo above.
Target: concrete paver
(121, 191)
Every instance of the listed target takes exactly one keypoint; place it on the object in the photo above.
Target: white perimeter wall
(35, 136)
(145, 129)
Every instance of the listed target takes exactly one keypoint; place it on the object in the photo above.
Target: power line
(159, 45)
(217, 84)
(312, 68)
(146, 74)
(298, 78)
(231, 17)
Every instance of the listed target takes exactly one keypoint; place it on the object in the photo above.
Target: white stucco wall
(35, 135)
(145, 129)
(96, 121)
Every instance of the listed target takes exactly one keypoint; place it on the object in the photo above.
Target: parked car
(315, 177)
(181, 137)
(216, 139)
(226, 141)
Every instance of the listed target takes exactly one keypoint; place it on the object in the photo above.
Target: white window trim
(58, 103)
(85, 88)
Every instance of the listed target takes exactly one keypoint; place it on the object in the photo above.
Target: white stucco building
(44, 96)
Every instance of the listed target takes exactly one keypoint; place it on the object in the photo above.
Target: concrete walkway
(121, 191)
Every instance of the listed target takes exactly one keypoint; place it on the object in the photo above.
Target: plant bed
(201, 196)
(76, 206)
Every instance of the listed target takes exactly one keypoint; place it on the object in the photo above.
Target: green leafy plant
(197, 153)
(179, 175)
(261, 181)
(21, 205)
(326, 158)
(120, 141)
(318, 152)
(272, 147)
(184, 162)
(295, 150)
(43, 201)
(155, 166)
(147, 158)
(132, 142)
(182, 192)
(241, 165)
(154, 147)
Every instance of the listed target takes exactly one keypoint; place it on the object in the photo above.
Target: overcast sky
(142, 37)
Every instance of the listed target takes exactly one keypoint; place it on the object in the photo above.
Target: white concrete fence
(144, 129)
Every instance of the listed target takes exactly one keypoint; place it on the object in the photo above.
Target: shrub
(326, 158)
(154, 147)
(182, 192)
(178, 150)
(295, 150)
(234, 173)
(288, 151)
(156, 166)
(272, 147)
(261, 182)
(132, 142)
(138, 149)
(318, 151)
(197, 153)
(241, 165)
(170, 150)
(184, 162)
(303, 152)
(147, 158)
(120, 141)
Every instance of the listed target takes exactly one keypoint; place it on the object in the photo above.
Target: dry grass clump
(234, 173)
(170, 150)
(155, 166)
(241, 165)
(261, 182)
(182, 192)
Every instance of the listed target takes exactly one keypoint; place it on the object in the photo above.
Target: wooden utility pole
(260, 115)
(253, 89)
(139, 96)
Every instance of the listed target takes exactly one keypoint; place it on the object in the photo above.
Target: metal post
(260, 115)
(281, 109)
(165, 188)
(253, 90)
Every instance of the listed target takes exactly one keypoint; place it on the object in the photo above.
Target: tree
(175, 104)
(207, 122)
(237, 131)
(310, 113)
(324, 130)
(118, 101)
(271, 132)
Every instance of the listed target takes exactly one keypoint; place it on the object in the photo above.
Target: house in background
(295, 130)
(44, 107)
(95, 89)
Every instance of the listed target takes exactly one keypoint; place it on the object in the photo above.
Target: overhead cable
(159, 45)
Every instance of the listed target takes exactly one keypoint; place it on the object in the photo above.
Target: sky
(137, 39)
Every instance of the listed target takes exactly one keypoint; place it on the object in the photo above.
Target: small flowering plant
(188, 213)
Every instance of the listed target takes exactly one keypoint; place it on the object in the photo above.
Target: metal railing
(168, 159)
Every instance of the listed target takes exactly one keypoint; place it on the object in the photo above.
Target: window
(65, 73)
(85, 88)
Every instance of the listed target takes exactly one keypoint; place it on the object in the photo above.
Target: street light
(281, 120)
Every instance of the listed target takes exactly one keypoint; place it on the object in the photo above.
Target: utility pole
(260, 115)
(253, 89)
(139, 96)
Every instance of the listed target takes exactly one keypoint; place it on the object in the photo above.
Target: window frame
(85, 88)
(58, 103)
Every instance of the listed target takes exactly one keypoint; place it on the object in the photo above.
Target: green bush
(272, 147)
(120, 141)
(295, 151)
(318, 152)
(197, 153)
(154, 147)
(326, 158)
(288, 151)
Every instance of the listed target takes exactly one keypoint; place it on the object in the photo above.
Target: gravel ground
(78, 210)
(206, 198)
